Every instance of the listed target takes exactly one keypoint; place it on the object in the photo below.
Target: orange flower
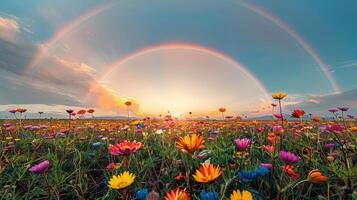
(289, 169)
(180, 176)
(315, 176)
(269, 148)
(273, 138)
(207, 173)
(190, 144)
(316, 118)
(177, 194)
(222, 110)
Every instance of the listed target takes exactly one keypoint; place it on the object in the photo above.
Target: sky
(177, 55)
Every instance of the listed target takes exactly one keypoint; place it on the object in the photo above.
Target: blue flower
(96, 144)
(141, 194)
(262, 171)
(247, 176)
(214, 132)
(209, 195)
(91, 154)
(140, 125)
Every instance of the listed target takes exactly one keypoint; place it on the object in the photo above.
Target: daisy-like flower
(190, 143)
(315, 176)
(207, 173)
(243, 143)
(177, 194)
(238, 195)
(125, 147)
(121, 181)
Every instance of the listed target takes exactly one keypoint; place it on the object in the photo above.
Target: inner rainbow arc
(189, 46)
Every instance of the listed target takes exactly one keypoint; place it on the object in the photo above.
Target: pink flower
(243, 143)
(267, 165)
(343, 108)
(333, 110)
(289, 157)
(279, 116)
(41, 167)
(112, 166)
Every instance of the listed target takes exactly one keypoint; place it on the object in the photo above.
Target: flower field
(178, 159)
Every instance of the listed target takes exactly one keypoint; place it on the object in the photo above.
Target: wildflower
(96, 144)
(315, 176)
(190, 143)
(91, 154)
(262, 171)
(289, 169)
(297, 113)
(112, 166)
(343, 108)
(180, 177)
(142, 194)
(207, 173)
(240, 154)
(273, 104)
(269, 148)
(288, 157)
(238, 195)
(316, 118)
(243, 143)
(222, 110)
(209, 195)
(153, 195)
(329, 145)
(267, 165)
(279, 116)
(273, 138)
(333, 110)
(121, 181)
(278, 129)
(125, 147)
(41, 167)
(279, 95)
(177, 194)
(247, 176)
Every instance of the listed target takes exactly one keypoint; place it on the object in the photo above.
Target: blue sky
(233, 28)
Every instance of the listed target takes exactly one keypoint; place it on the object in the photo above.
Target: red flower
(297, 113)
(125, 147)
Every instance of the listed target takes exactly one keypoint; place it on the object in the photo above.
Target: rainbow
(307, 47)
(256, 9)
(43, 49)
(189, 46)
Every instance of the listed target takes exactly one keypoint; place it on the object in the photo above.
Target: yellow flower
(244, 195)
(17, 139)
(207, 173)
(8, 138)
(121, 181)
(279, 95)
(190, 144)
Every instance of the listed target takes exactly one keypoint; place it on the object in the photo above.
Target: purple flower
(41, 167)
(13, 111)
(279, 116)
(334, 128)
(289, 157)
(335, 154)
(242, 143)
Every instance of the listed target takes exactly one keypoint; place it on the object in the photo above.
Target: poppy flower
(222, 110)
(297, 113)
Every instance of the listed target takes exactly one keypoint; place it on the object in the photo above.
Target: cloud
(9, 29)
(53, 80)
(320, 104)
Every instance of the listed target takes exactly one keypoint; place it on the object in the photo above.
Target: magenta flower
(343, 108)
(333, 110)
(279, 116)
(288, 157)
(351, 116)
(267, 165)
(242, 143)
(13, 111)
(41, 167)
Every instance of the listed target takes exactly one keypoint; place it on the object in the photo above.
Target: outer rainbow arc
(281, 24)
(65, 30)
(258, 10)
(195, 47)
